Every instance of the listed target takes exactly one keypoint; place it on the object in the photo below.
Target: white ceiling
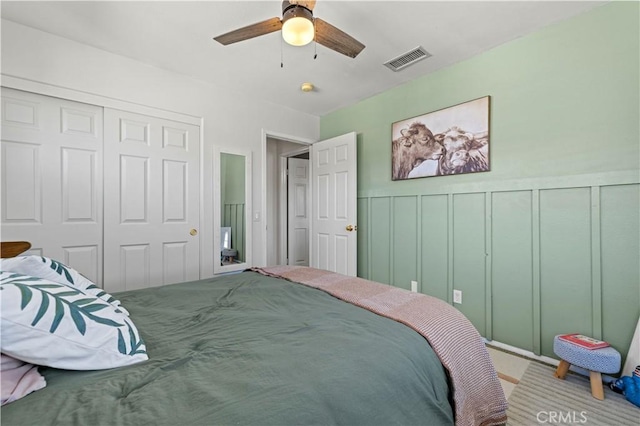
(177, 36)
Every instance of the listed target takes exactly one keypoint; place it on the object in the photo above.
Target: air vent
(406, 59)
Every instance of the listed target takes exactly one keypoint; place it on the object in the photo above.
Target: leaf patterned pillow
(48, 323)
(49, 269)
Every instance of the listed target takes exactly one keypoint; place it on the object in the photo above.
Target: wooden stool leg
(562, 369)
(596, 385)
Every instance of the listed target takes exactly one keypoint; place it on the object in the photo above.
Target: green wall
(547, 242)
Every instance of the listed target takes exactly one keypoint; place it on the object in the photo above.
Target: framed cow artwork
(449, 141)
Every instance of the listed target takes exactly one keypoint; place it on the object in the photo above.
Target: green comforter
(249, 349)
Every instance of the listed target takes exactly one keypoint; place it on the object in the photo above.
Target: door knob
(351, 228)
(193, 232)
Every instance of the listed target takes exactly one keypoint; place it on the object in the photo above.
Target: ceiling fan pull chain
(315, 42)
(281, 55)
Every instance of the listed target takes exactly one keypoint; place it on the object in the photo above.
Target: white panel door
(151, 198)
(334, 207)
(52, 178)
(299, 203)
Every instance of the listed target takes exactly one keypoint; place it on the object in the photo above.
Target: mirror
(232, 220)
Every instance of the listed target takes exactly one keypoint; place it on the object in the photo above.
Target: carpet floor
(540, 398)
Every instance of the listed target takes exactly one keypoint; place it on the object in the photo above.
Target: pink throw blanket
(18, 379)
(478, 396)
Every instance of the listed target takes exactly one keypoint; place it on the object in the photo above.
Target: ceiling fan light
(297, 26)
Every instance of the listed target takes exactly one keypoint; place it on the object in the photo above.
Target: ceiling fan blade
(250, 31)
(309, 4)
(335, 39)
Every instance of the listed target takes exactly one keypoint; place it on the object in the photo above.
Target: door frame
(262, 259)
(283, 188)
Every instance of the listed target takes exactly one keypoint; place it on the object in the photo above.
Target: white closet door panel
(18, 111)
(134, 189)
(52, 178)
(175, 191)
(175, 261)
(151, 201)
(134, 267)
(85, 258)
(79, 187)
(176, 138)
(21, 184)
(78, 122)
(134, 132)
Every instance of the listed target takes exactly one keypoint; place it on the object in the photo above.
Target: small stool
(597, 361)
(229, 255)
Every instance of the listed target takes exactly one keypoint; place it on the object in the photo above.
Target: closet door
(152, 190)
(52, 178)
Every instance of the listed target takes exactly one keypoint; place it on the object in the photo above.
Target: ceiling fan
(299, 27)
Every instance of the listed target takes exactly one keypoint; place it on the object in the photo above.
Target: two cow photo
(453, 140)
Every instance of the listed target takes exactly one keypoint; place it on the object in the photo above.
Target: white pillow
(49, 269)
(53, 324)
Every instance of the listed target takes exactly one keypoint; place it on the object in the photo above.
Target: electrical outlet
(414, 286)
(457, 296)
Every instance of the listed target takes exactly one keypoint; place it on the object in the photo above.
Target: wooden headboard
(13, 248)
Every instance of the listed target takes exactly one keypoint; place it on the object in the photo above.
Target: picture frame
(225, 237)
(448, 141)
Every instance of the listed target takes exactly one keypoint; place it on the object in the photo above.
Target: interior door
(52, 178)
(298, 208)
(334, 177)
(151, 200)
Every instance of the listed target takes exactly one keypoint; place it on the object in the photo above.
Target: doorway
(333, 207)
(279, 246)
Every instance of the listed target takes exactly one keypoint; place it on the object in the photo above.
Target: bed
(281, 346)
